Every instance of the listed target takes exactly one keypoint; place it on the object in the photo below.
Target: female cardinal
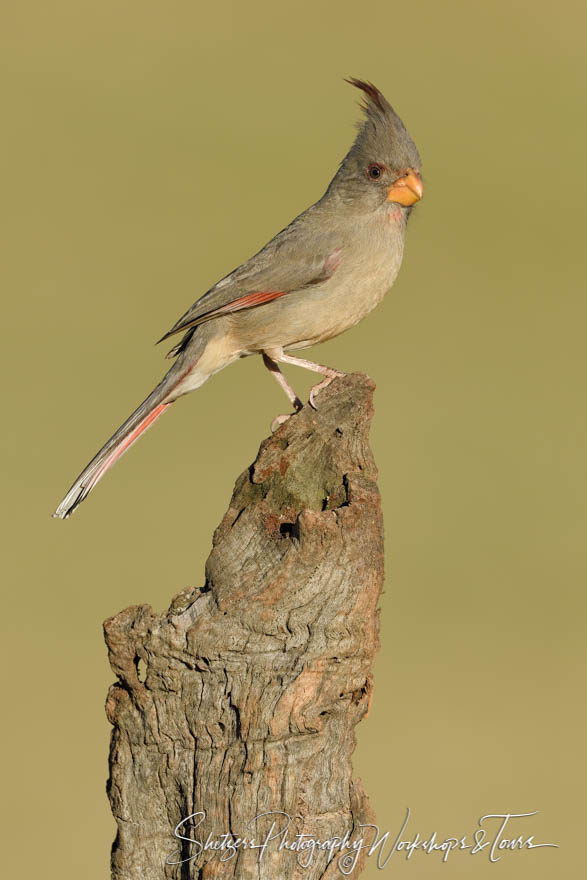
(317, 277)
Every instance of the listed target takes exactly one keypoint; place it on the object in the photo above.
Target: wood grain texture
(253, 684)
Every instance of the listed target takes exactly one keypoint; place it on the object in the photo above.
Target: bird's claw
(279, 420)
(318, 388)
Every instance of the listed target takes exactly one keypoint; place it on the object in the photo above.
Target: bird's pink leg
(273, 368)
(328, 372)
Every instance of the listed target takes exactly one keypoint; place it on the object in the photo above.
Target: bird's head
(383, 165)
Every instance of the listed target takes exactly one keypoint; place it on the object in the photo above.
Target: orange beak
(407, 190)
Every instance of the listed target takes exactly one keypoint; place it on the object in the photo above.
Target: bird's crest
(382, 134)
(373, 94)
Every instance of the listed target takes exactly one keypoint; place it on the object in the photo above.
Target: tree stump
(234, 711)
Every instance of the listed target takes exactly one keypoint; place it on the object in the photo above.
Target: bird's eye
(374, 171)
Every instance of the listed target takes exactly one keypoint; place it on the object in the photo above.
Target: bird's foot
(280, 420)
(333, 374)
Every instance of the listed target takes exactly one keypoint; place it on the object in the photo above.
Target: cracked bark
(253, 684)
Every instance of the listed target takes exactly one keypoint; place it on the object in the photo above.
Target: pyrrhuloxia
(318, 277)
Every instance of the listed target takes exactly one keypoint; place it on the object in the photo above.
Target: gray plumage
(316, 278)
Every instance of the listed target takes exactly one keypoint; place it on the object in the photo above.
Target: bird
(318, 277)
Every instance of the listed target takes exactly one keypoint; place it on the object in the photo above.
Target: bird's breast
(363, 281)
(369, 264)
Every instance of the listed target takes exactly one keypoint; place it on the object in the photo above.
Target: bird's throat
(395, 214)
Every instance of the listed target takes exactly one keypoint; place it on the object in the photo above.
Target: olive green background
(148, 149)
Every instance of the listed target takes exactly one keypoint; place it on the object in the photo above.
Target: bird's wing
(293, 260)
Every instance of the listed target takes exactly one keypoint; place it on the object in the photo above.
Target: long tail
(136, 424)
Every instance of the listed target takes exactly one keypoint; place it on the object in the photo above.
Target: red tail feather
(128, 441)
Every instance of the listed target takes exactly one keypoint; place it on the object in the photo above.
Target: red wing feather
(245, 302)
(198, 313)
